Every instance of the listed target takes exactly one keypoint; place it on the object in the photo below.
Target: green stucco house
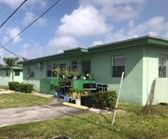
(6, 75)
(144, 61)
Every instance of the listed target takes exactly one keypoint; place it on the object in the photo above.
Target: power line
(36, 19)
(11, 52)
(13, 13)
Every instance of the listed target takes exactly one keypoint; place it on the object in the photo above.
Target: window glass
(163, 66)
(118, 65)
(17, 73)
(86, 66)
(74, 65)
(62, 66)
(7, 73)
(49, 70)
(30, 73)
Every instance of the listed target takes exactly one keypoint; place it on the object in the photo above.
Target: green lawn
(133, 122)
(21, 99)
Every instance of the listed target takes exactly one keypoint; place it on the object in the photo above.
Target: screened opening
(74, 65)
(62, 66)
(49, 70)
(30, 73)
(118, 65)
(7, 73)
(86, 66)
(163, 66)
(17, 73)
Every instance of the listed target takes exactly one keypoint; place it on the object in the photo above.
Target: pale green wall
(19, 78)
(132, 85)
(5, 79)
(42, 73)
(150, 68)
(101, 68)
(141, 69)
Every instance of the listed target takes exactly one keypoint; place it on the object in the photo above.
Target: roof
(139, 41)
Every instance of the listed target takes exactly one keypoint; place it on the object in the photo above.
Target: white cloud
(84, 21)
(11, 33)
(33, 49)
(97, 43)
(62, 43)
(157, 23)
(117, 9)
(156, 26)
(12, 3)
(29, 17)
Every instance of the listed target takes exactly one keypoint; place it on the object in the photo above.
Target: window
(17, 73)
(30, 73)
(118, 65)
(74, 65)
(163, 66)
(7, 73)
(86, 66)
(62, 66)
(49, 70)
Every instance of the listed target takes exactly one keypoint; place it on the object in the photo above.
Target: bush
(26, 88)
(87, 100)
(16, 86)
(102, 100)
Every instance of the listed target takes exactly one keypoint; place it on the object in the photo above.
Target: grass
(133, 122)
(21, 99)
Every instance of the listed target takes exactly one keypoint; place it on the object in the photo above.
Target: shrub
(102, 100)
(111, 98)
(26, 88)
(87, 100)
(16, 86)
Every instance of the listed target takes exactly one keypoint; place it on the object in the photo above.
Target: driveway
(13, 116)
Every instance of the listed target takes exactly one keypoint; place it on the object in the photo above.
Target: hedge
(102, 100)
(16, 86)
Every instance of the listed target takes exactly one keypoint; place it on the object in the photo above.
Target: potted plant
(64, 73)
(76, 94)
(57, 71)
(70, 74)
(75, 75)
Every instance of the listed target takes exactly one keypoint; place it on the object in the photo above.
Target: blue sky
(79, 23)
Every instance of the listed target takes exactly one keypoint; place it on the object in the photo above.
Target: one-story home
(144, 61)
(6, 74)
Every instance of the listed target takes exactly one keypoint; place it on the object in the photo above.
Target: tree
(10, 62)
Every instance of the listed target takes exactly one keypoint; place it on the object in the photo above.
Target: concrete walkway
(14, 116)
(5, 91)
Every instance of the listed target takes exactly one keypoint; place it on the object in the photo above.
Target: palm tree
(10, 62)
